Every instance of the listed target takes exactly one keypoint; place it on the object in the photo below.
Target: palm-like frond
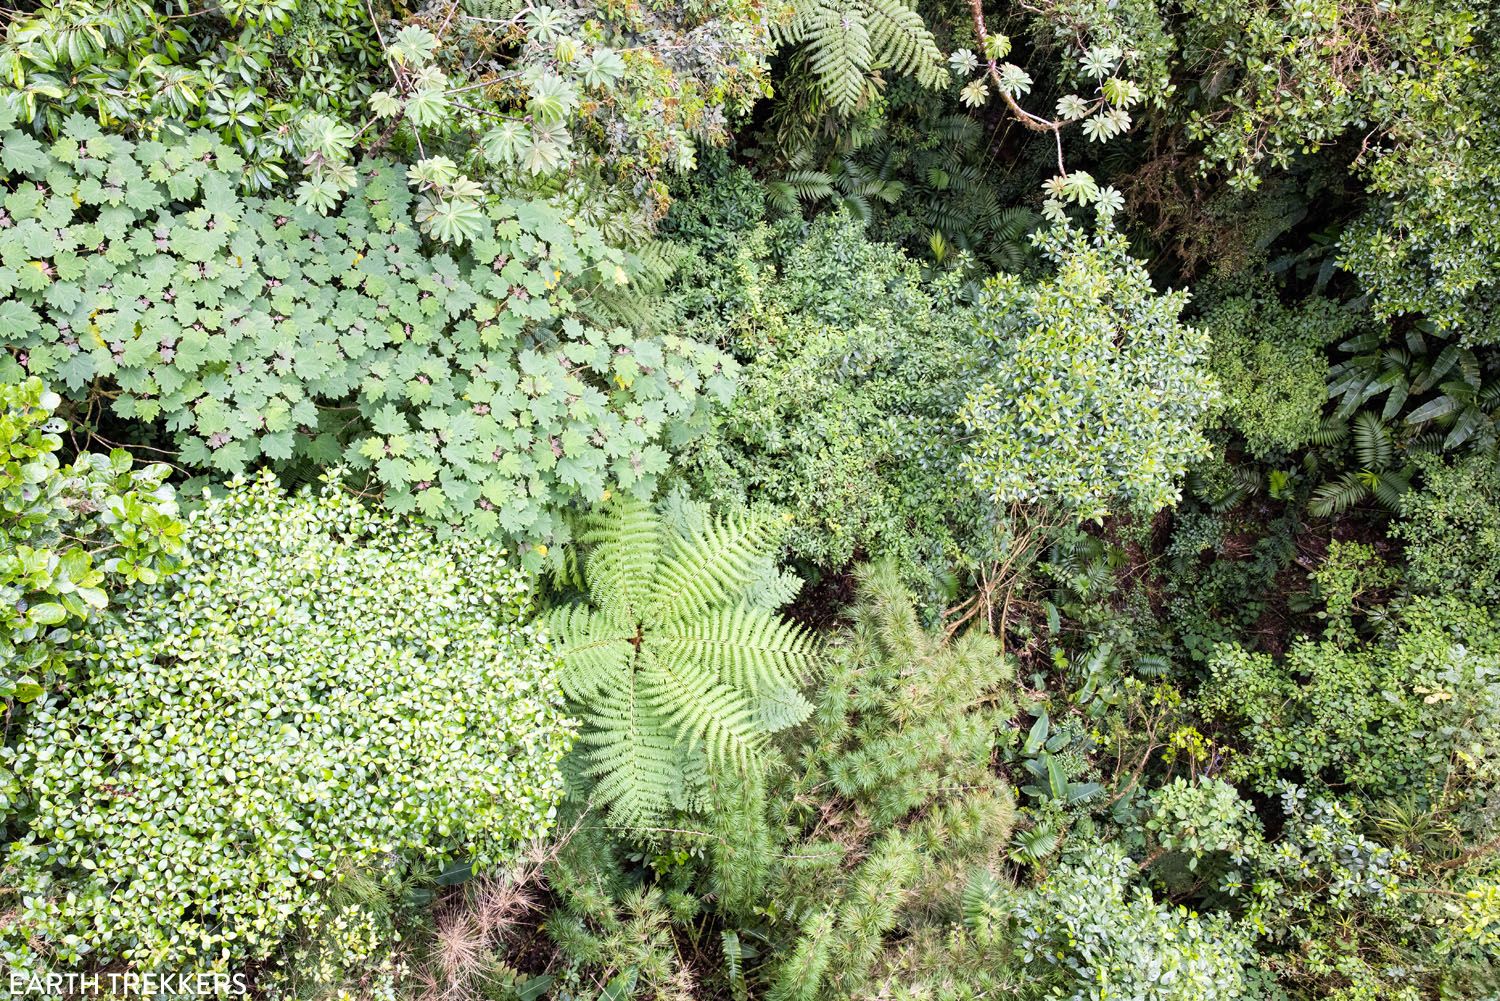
(677, 668)
(626, 547)
(750, 648)
(630, 753)
(848, 39)
(596, 655)
(712, 566)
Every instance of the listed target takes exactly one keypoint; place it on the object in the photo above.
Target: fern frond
(594, 652)
(840, 55)
(750, 648)
(1331, 431)
(983, 905)
(847, 40)
(902, 42)
(1372, 441)
(1338, 496)
(690, 699)
(712, 567)
(798, 187)
(631, 755)
(675, 671)
(622, 564)
(777, 709)
(1389, 487)
(734, 960)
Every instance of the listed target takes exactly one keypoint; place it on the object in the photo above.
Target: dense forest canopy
(827, 499)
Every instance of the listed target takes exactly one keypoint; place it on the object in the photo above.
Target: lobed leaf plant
(473, 387)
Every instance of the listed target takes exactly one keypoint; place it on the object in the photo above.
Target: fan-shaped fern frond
(1338, 496)
(1332, 430)
(1389, 487)
(678, 668)
(848, 40)
(903, 43)
(716, 564)
(689, 699)
(840, 55)
(749, 648)
(598, 652)
(631, 754)
(626, 547)
(795, 187)
(1372, 441)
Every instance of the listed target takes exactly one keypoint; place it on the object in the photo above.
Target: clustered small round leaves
(1098, 391)
(326, 690)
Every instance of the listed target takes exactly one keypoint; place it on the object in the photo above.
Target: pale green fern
(847, 40)
(678, 663)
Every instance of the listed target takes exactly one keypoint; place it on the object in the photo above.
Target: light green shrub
(327, 689)
(1271, 362)
(67, 536)
(1381, 716)
(1088, 935)
(1096, 391)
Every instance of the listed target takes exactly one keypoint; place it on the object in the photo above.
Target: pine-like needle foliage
(678, 663)
(903, 738)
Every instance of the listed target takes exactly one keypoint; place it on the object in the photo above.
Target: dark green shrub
(854, 370)
(1451, 529)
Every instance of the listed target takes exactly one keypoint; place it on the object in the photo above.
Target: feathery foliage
(678, 660)
(847, 40)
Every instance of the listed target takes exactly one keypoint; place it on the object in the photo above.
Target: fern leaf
(711, 567)
(903, 43)
(734, 960)
(1338, 496)
(840, 56)
(1389, 488)
(1372, 441)
(622, 564)
(746, 647)
(700, 710)
(632, 758)
(594, 652)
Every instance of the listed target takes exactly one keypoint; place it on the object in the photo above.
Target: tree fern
(675, 663)
(848, 41)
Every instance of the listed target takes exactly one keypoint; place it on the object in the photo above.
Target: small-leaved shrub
(1452, 529)
(325, 690)
(854, 369)
(68, 534)
(1096, 392)
(1272, 364)
(1088, 934)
